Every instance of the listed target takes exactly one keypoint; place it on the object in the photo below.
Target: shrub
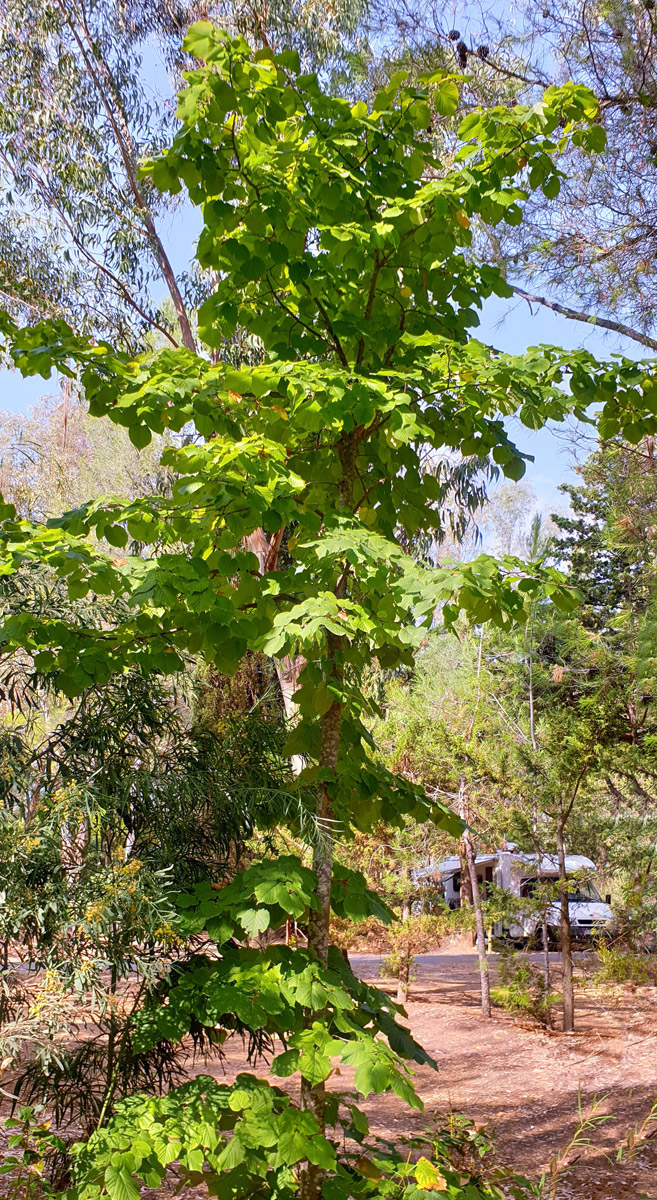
(619, 965)
(521, 988)
(414, 935)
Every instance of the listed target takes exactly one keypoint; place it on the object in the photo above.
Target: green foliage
(189, 1127)
(249, 1139)
(30, 1142)
(619, 965)
(317, 1012)
(417, 934)
(85, 93)
(268, 893)
(521, 989)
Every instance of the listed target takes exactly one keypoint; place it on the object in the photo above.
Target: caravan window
(583, 890)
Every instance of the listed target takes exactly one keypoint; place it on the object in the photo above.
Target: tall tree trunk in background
(468, 847)
(545, 938)
(288, 668)
(545, 934)
(313, 1095)
(547, 980)
(101, 78)
(405, 956)
(564, 928)
(465, 887)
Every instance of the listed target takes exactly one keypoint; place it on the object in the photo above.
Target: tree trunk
(403, 983)
(469, 854)
(545, 936)
(313, 1096)
(101, 78)
(404, 980)
(566, 943)
(479, 923)
(547, 981)
(465, 888)
(288, 668)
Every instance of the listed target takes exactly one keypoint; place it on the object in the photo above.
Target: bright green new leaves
(248, 1139)
(272, 992)
(260, 898)
(247, 1133)
(339, 242)
(343, 246)
(344, 214)
(265, 895)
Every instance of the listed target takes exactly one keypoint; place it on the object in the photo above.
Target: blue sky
(513, 326)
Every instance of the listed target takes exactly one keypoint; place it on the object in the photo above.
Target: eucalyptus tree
(338, 239)
(86, 90)
(591, 256)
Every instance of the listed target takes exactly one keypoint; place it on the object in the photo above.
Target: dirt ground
(522, 1083)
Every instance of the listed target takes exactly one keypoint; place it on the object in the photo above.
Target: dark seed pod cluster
(483, 51)
(453, 35)
(462, 52)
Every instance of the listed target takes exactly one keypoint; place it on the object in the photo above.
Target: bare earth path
(523, 1083)
(520, 1082)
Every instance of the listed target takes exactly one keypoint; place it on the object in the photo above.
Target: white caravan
(518, 874)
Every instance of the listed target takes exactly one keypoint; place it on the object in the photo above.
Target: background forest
(282, 626)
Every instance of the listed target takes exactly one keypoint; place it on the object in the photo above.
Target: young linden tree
(342, 245)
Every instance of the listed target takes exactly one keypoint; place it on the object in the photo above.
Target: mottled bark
(288, 668)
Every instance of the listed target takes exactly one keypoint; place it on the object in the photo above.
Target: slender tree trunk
(566, 943)
(404, 980)
(313, 1096)
(101, 77)
(465, 888)
(479, 924)
(288, 668)
(112, 1032)
(406, 957)
(545, 937)
(468, 848)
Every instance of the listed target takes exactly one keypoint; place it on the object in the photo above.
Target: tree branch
(587, 319)
(126, 150)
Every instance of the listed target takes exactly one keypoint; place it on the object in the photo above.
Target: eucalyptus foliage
(86, 89)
